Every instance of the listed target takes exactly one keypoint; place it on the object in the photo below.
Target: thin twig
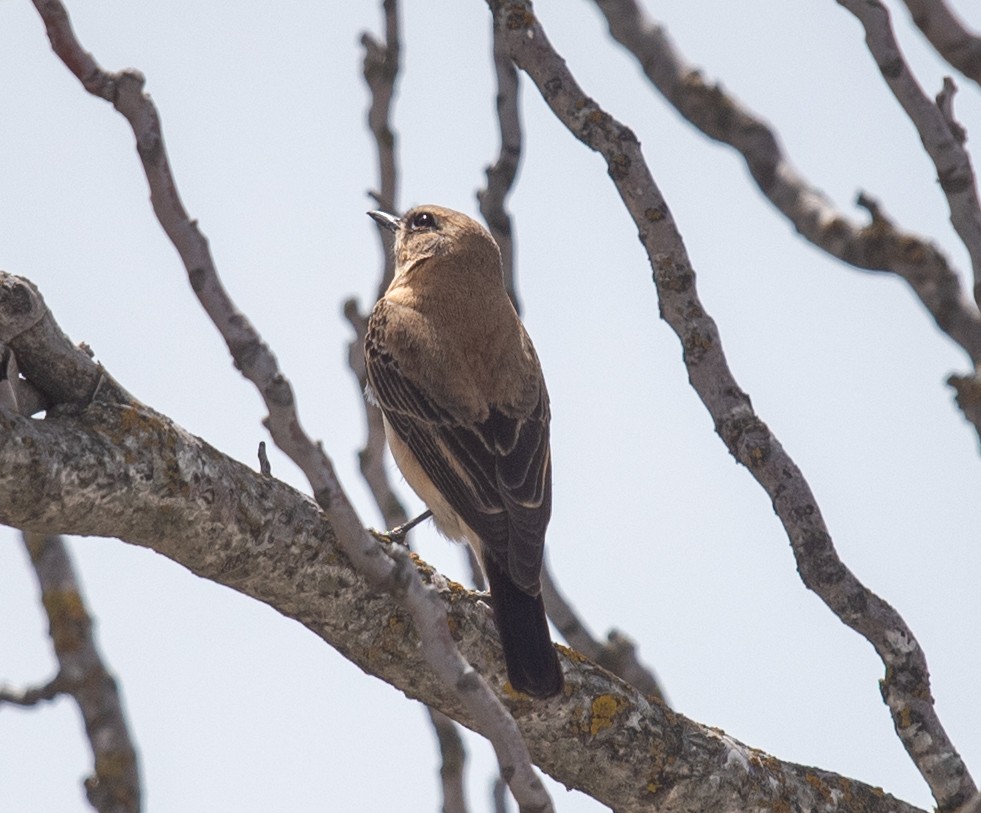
(906, 685)
(34, 695)
(390, 570)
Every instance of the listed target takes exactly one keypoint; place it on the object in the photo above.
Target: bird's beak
(390, 222)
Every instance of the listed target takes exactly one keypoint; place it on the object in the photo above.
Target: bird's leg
(397, 534)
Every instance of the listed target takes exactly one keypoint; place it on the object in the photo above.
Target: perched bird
(467, 415)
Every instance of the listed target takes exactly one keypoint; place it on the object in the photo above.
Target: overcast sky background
(655, 529)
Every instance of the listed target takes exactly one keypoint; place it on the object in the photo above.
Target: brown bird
(467, 415)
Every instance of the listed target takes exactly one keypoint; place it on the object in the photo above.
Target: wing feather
(496, 474)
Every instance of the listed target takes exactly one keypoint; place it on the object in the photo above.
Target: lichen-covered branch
(254, 534)
(906, 685)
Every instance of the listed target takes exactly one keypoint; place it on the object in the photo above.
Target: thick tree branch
(952, 39)
(906, 685)
(877, 246)
(122, 470)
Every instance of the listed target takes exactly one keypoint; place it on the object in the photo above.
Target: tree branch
(906, 685)
(503, 172)
(254, 534)
(952, 39)
(940, 141)
(381, 70)
(877, 246)
(115, 785)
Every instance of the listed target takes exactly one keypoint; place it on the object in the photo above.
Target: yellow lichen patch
(604, 710)
(819, 785)
(68, 617)
(572, 654)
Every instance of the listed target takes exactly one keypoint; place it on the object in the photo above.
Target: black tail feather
(532, 664)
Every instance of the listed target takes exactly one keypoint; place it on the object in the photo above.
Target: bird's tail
(533, 667)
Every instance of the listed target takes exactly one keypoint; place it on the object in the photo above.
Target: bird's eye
(422, 220)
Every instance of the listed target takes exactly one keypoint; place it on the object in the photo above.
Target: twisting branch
(906, 685)
(502, 173)
(953, 41)
(946, 150)
(391, 571)
(878, 246)
(114, 787)
(224, 522)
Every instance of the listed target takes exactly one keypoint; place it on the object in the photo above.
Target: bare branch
(878, 246)
(454, 758)
(906, 686)
(32, 696)
(115, 785)
(254, 534)
(68, 377)
(952, 39)
(945, 149)
(501, 175)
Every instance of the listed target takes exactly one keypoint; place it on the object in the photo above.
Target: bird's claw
(396, 536)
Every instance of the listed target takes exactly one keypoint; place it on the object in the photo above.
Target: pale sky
(655, 530)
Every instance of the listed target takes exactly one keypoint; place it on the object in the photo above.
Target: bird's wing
(495, 474)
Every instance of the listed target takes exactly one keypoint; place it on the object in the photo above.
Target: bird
(466, 415)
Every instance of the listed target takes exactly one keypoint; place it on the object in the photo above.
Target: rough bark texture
(124, 470)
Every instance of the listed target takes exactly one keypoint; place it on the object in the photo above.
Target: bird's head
(429, 236)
